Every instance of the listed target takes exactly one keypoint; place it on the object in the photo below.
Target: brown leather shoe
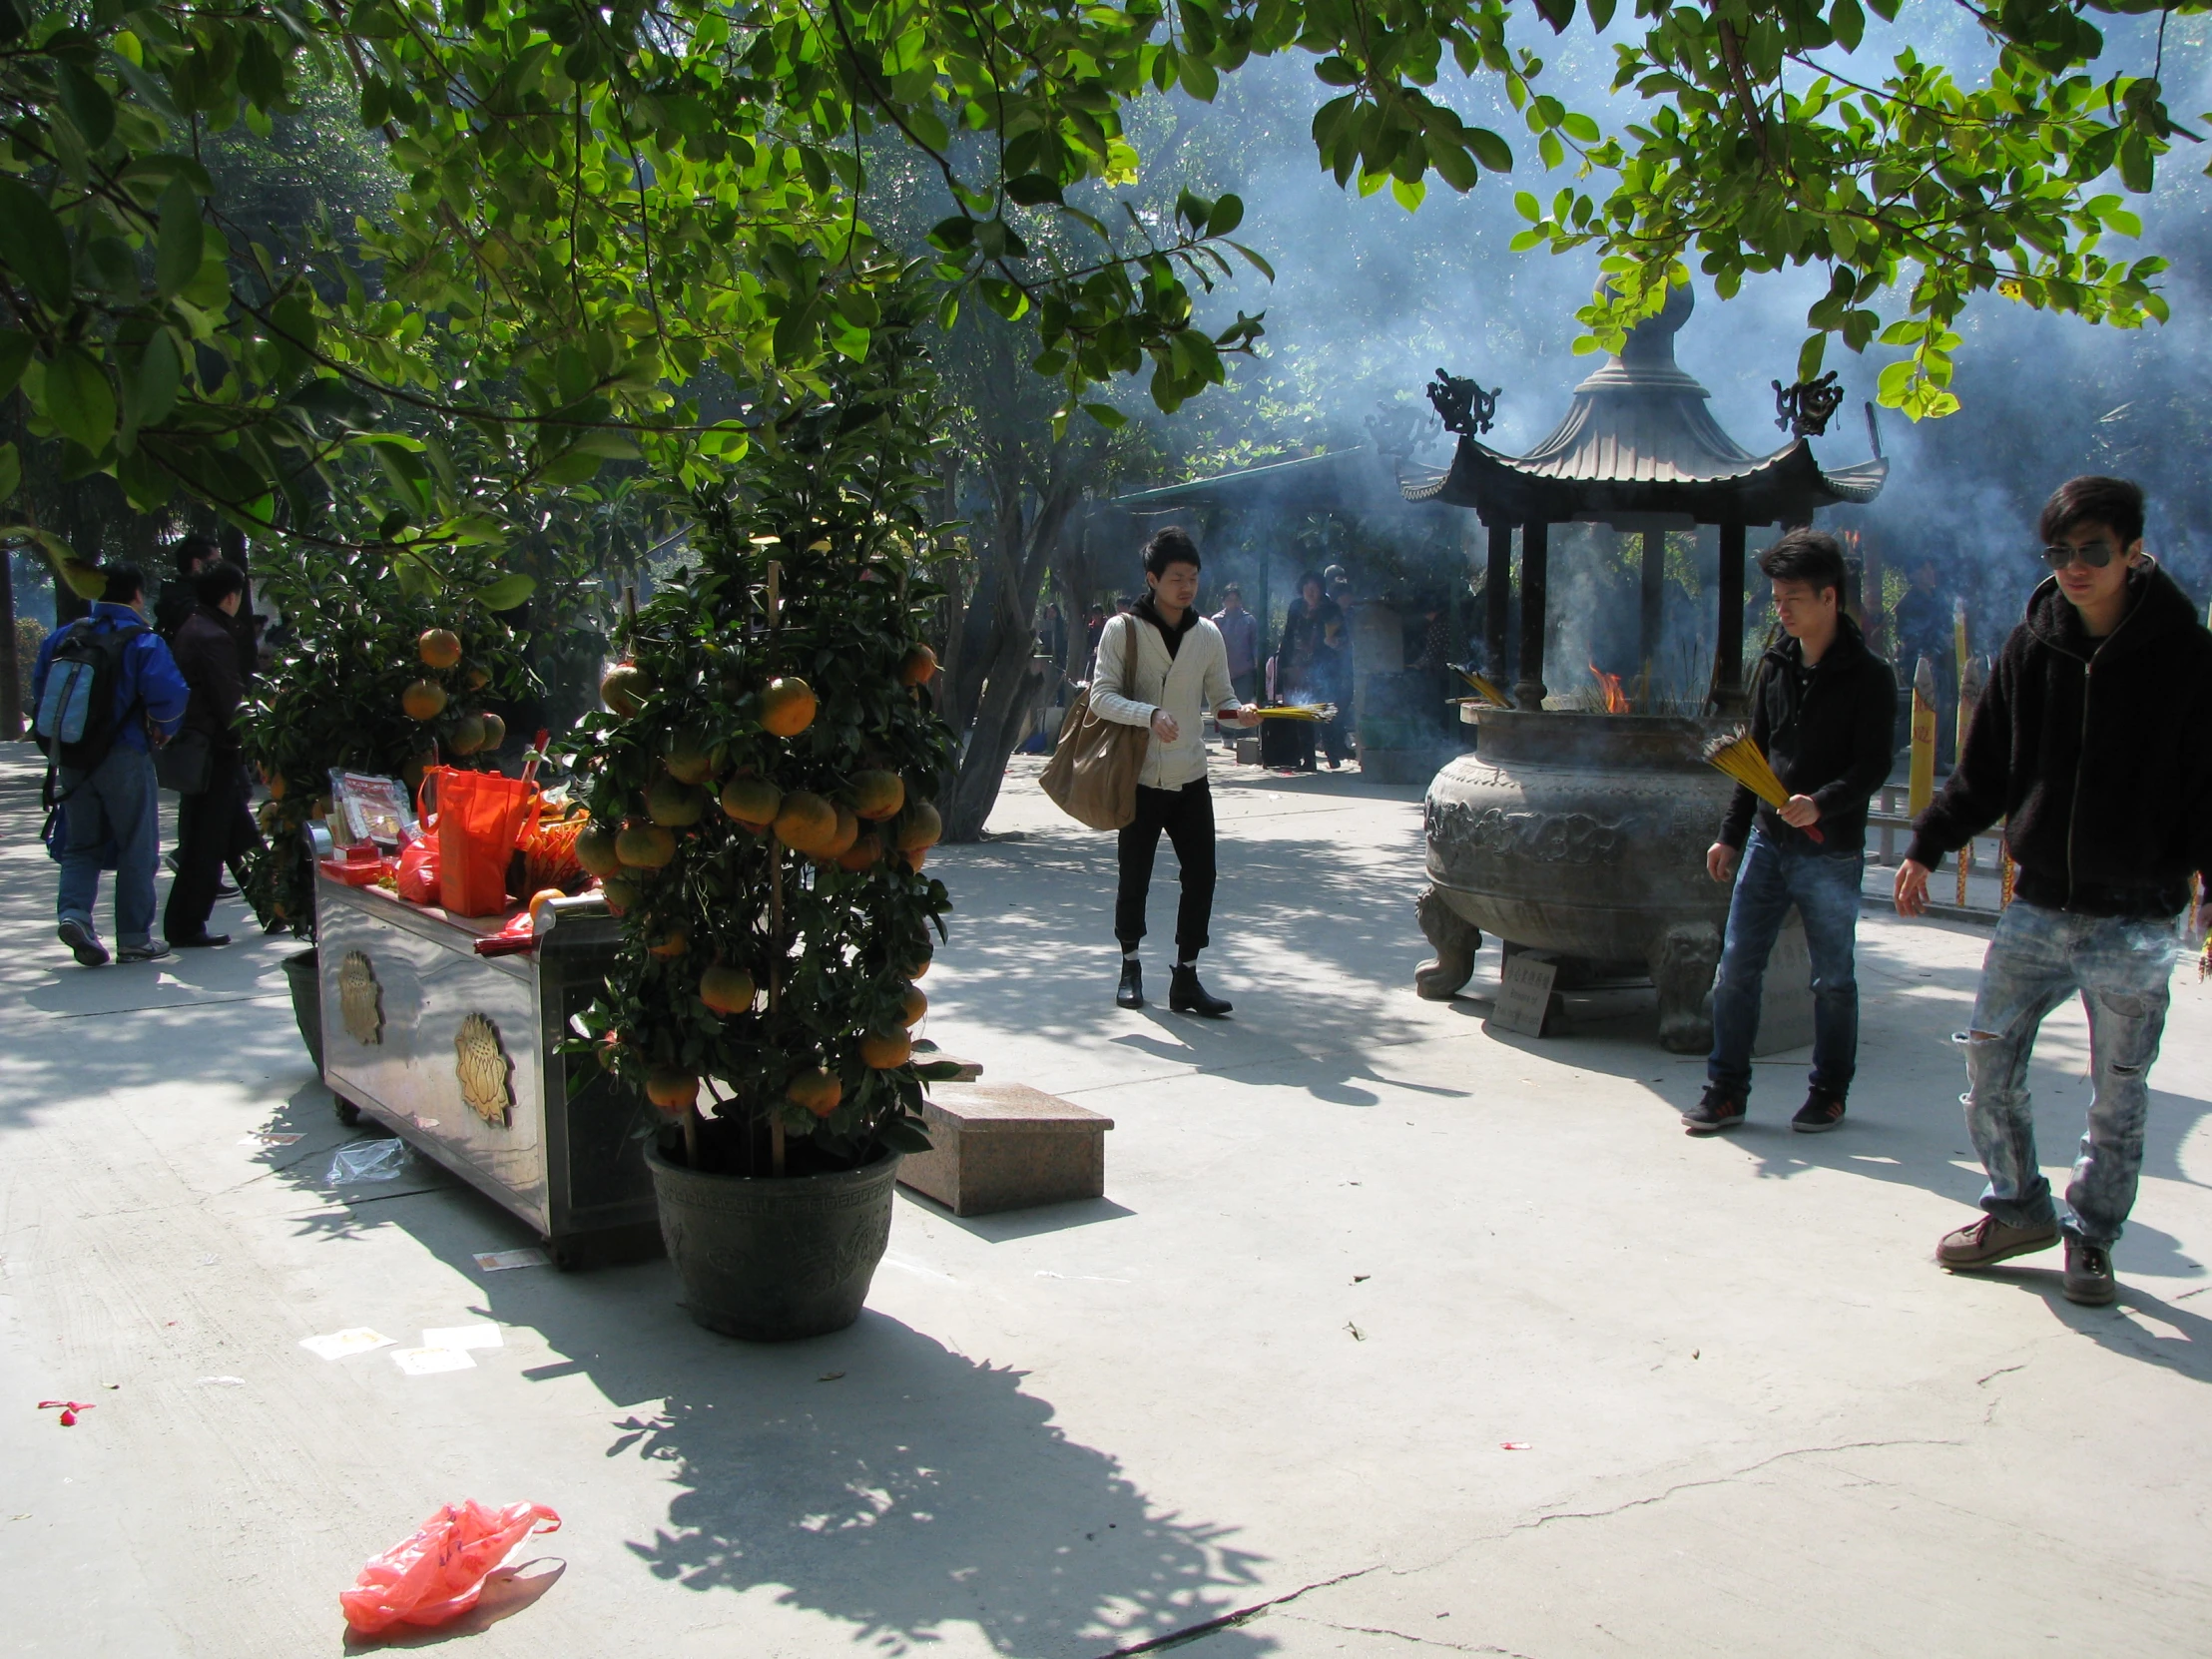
(1991, 1241)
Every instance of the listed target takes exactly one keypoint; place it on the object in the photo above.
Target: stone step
(1007, 1146)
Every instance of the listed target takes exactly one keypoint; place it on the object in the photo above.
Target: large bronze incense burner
(1585, 836)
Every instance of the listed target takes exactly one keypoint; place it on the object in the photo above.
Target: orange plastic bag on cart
(480, 815)
(438, 1573)
(417, 878)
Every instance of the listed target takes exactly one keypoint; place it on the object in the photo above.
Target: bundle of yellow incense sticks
(1483, 688)
(1736, 755)
(1325, 710)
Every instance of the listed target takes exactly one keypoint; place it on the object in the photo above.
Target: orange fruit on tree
(805, 822)
(495, 730)
(595, 849)
(673, 805)
(727, 989)
(917, 665)
(883, 1050)
(424, 700)
(816, 1090)
(877, 795)
(752, 802)
(276, 786)
(920, 828)
(689, 761)
(674, 1092)
(845, 836)
(915, 857)
(645, 845)
(625, 689)
(438, 648)
(477, 677)
(921, 964)
(620, 893)
(912, 1005)
(671, 944)
(467, 734)
(788, 706)
(863, 854)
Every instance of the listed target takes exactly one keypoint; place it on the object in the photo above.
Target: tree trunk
(1005, 688)
(11, 672)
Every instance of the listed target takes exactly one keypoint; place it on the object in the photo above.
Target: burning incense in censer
(1741, 760)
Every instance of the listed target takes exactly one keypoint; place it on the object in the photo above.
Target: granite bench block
(1007, 1146)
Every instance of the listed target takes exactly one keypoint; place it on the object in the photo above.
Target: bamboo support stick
(1965, 863)
(2006, 872)
(775, 894)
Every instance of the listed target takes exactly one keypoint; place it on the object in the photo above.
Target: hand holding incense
(1739, 757)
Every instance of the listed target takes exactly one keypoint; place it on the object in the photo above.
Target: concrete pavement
(1354, 1248)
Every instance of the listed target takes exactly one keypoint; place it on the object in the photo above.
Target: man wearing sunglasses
(2093, 742)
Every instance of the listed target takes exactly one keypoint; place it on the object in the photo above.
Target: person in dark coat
(1822, 711)
(176, 602)
(213, 828)
(2093, 743)
(1297, 661)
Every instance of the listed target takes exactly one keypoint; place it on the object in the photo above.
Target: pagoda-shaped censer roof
(1639, 450)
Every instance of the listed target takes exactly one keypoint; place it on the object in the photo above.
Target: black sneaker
(1823, 1110)
(203, 941)
(84, 944)
(1187, 997)
(1716, 1111)
(2088, 1278)
(153, 950)
(1131, 993)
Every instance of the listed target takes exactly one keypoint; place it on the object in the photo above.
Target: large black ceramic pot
(772, 1259)
(300, 973)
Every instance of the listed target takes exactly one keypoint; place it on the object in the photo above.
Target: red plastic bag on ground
(437, 1574)
(417, 880)
(480, 816)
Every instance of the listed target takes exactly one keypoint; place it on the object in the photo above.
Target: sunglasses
(2096, 555)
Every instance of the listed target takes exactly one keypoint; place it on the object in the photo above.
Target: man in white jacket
(1162, 665)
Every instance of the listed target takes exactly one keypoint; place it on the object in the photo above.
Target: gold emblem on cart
(486, 1074)
(361, 998)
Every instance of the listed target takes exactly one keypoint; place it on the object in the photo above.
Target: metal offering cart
(459, 1054)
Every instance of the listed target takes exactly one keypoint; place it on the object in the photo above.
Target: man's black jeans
(1187, 814)
(213, 829)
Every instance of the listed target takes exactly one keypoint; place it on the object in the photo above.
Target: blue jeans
(1824, 888)
(2039, 957)
(117, 803)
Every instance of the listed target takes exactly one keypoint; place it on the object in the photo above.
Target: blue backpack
(77, 722)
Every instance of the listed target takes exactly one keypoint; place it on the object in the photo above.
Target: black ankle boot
(1131, 994)
(1187, 997)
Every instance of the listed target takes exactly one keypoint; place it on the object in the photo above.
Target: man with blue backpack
(107, 691)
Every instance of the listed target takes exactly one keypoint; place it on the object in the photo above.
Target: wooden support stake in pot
(774, 893)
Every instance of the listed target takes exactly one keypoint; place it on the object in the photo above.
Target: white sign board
(1525, 997)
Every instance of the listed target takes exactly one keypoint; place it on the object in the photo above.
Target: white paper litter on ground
(226, 1382)
(339, 1344)
(498, 1261)
(464, 1335)
(425, 1361)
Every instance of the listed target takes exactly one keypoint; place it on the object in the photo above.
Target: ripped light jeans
(2121, 966)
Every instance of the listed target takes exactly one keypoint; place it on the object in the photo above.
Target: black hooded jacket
(2096, 753)
(1832, 741)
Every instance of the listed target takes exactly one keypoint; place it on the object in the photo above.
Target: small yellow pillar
(1921, 789)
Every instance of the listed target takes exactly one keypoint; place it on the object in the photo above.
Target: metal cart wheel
(349, 1113)
(564, 1256)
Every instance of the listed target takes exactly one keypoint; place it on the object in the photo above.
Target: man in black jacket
(2093, 742)
(213, 827)
(1823, 710)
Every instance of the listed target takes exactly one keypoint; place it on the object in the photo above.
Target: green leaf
(1228, 214)
(151, 392)
(15, 352)
(1198, 77)
(953, 233)
(79, 400)
(1106, 415)
(506, 593)
(1808, 357)
(1257, 263)
(88, 104)
(1849, 22)
(11, 470)
(1601, 14)
(1490, 150)
(1032, 189)
(34, 247)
